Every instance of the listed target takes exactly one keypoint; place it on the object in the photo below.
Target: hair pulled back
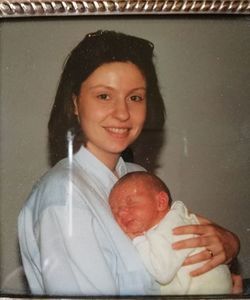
(93, 51)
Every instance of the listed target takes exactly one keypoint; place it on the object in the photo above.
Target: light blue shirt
(70, 243)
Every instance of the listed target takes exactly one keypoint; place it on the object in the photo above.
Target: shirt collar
(96, 168)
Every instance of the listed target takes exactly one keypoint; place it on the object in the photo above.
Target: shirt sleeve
(63, 246)
(70, 254)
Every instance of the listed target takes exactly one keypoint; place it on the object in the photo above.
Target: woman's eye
(103, 96)
(136, 98)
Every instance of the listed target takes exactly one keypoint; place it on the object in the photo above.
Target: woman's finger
(199, 257)
(237, 284)
(194, 229)
(209, 265)
(211, 242)
(189, 243)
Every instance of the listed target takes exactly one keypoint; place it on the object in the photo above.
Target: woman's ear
(162, 201)
(75, 102)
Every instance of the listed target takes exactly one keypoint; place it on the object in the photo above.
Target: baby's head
(139, 200)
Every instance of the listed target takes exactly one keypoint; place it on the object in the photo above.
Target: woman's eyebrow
(101, 86)
(111, 88)
(139, 88)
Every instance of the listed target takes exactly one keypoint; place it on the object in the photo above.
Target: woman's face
(111, 108)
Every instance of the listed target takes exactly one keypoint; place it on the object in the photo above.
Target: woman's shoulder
(57, 174)
(50, 188)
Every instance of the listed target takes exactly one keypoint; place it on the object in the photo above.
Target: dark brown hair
(94, 50)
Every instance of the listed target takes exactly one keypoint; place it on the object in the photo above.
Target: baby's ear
(162, 201)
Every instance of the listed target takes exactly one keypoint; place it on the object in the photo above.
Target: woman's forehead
(123, 68)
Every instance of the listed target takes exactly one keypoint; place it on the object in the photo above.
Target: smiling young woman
(111, 108)
(69, 241)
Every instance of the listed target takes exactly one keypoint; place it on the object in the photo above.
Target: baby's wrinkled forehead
(133, 187)
(124, 190)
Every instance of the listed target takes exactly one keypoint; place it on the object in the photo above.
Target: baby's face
(134, 208)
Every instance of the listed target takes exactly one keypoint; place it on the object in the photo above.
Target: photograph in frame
(202, 62)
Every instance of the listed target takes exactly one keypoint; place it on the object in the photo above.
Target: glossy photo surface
(203, 151)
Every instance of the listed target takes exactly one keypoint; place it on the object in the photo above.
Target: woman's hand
(221, 245)
(237, 284)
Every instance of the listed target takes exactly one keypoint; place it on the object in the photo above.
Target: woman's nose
(121, 110)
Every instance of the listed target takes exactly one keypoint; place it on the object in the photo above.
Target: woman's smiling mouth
(117, 131)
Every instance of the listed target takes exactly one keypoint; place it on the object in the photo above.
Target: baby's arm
(155, 249)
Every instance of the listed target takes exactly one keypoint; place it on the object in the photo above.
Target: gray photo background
(204, 71)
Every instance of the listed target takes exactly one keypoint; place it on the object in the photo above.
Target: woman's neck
(108, 159)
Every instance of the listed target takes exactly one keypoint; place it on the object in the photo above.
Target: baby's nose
(123, 211)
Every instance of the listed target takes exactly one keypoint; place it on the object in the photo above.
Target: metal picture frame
(45, 8)
(48, 9)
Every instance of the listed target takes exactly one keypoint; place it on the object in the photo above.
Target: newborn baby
(141, 205)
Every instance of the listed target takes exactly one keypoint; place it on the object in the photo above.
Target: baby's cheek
(118, 220)
(114, 212)
(136, 214)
